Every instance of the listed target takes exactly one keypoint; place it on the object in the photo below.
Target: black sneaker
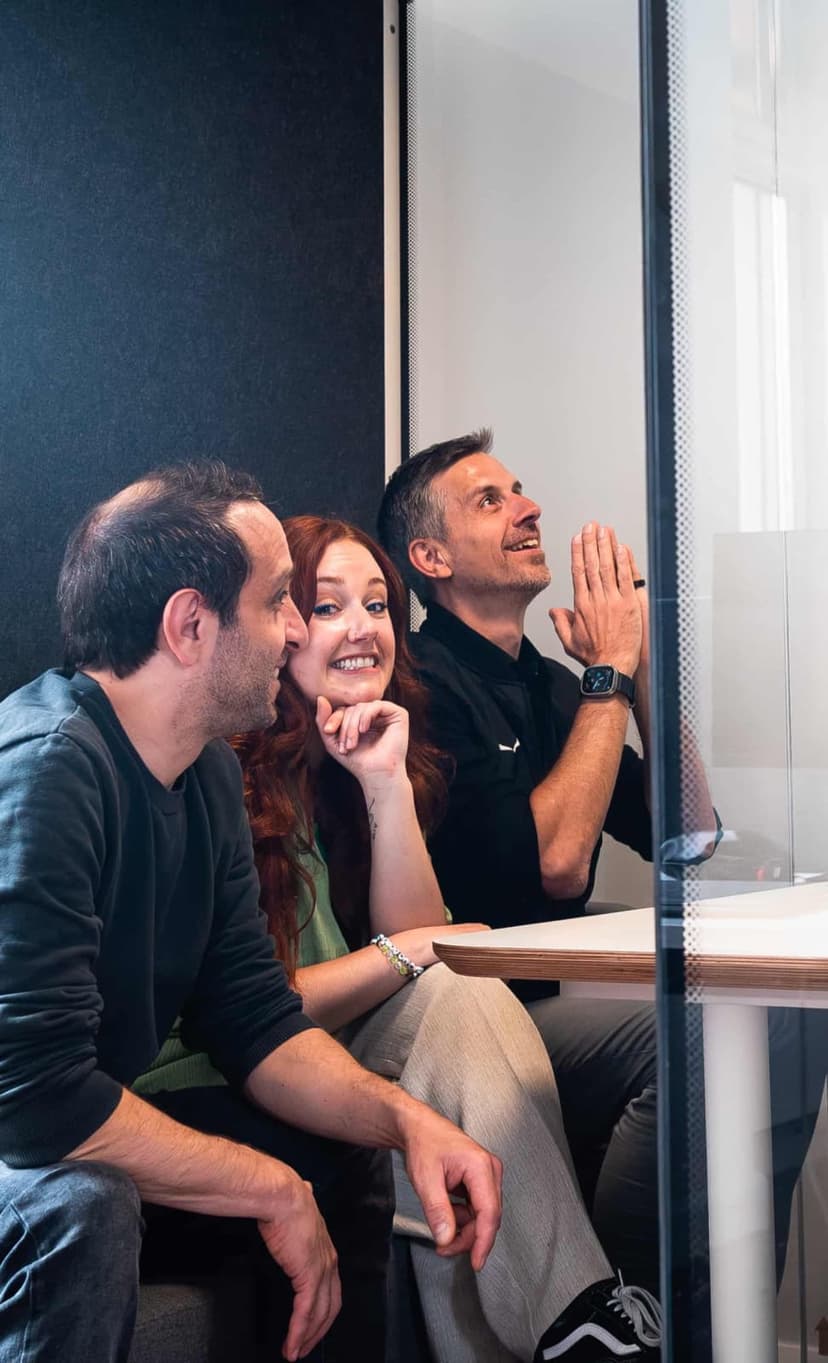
(605, 1323)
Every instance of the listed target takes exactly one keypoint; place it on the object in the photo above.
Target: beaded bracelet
(396, 958)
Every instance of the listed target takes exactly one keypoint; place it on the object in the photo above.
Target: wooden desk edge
(524, 963)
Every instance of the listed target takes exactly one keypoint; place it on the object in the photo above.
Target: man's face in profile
(250, 652)
(492, 531)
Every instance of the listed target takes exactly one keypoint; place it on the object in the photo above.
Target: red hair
(285, 800)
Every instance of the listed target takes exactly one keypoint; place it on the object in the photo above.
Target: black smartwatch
(603, 680)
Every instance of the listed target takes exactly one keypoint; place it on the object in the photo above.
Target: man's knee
(70, 1236)
(584, 1035)
(88, 1211)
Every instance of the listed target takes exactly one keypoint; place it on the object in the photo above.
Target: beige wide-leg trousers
(469, 1049)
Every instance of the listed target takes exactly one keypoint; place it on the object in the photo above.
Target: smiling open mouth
(354, 664)
(532, 543)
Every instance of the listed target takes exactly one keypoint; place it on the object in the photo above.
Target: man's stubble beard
(233, 703)
(523, 589)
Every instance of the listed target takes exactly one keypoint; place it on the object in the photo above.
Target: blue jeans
(70, 1239)
(71, 1242)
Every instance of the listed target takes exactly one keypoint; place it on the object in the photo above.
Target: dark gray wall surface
(190, 264)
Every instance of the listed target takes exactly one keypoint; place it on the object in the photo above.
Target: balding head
(170, 530)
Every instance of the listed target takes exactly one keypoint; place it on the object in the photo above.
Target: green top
(319, 940)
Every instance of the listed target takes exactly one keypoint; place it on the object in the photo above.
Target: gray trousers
(604, 1056)
(468, 1048)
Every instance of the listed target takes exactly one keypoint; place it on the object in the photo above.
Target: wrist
(386, 785)
(282, 1189)
(396, 957)
(386, 1105)
(625, 663)
(407, 1116)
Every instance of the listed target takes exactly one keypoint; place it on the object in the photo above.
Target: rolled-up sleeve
(628, 817)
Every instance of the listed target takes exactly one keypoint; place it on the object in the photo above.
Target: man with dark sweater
(128, 898)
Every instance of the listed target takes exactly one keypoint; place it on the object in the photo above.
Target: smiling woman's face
(350, 652)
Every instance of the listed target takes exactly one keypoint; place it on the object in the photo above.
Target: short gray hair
(411, 510)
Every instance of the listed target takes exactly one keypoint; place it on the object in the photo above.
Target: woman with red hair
(340, 791)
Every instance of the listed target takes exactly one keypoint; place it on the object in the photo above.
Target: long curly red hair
(286, 799)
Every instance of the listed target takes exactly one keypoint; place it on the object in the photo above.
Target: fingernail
(602, 532)
(442, 1233)
(577, 539)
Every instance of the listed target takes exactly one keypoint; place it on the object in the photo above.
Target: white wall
(527, 281)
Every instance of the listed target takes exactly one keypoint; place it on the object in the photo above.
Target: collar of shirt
(479, 652)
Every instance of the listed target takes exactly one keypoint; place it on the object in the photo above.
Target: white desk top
(773, 938)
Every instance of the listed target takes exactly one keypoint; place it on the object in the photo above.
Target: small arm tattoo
(372, 822)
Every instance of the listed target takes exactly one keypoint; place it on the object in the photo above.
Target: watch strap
(625, 685)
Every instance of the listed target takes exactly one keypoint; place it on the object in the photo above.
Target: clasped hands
(608, 623)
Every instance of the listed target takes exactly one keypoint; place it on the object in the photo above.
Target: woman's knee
(446, 990)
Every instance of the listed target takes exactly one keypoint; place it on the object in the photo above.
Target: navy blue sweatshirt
(122, 905)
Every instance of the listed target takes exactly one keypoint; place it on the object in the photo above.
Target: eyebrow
(340, 581)
(282, 584)
(485, 488)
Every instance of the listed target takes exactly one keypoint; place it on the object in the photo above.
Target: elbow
(564, 878)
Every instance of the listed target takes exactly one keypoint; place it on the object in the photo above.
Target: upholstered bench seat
(212, 1320)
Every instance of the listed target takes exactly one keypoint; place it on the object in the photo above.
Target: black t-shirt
(503, 722)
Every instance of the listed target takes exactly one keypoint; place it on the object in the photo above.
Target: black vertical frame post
(405, 18)
(678, 1277)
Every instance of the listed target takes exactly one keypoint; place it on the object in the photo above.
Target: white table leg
(737, 1096)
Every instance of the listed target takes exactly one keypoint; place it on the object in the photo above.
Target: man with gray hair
(541, 770)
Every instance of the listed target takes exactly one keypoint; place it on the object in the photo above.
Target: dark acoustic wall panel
(190, 264)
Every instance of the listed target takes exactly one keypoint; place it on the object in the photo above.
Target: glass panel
(735, 204)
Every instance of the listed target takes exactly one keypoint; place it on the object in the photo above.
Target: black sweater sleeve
(242, 1006)
(52, 861)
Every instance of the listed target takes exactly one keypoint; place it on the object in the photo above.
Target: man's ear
(188, 626)
(431, 558)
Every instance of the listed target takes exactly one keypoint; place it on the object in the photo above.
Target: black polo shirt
(504, 723)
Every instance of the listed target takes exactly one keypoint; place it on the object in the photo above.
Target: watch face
(597, 681)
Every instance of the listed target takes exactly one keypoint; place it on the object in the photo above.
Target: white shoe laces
(642, 1310)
